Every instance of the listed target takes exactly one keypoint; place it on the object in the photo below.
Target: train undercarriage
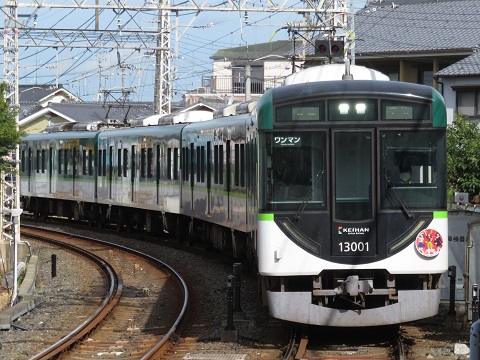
(184, 229)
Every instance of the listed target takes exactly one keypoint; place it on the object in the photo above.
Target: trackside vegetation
(9, 134)
(463, 156)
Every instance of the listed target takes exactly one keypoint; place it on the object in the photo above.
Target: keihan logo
(352, 231)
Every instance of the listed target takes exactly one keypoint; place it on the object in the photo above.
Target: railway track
(260, 336)
(382, 343)
(143, 302)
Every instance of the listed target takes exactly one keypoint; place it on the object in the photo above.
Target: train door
(353, 226)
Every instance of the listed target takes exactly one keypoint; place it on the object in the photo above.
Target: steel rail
(111, 300)
(159, 347)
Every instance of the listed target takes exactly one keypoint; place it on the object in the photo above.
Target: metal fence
(236, 84)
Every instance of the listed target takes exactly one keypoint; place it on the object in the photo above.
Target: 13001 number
(353, 246)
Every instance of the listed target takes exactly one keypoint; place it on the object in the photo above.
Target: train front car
(352, 202)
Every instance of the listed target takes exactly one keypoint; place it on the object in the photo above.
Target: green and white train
(336, 189)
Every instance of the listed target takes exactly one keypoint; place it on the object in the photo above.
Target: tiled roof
(86, 112)
(89, 112)
(32, 94)
(470, 66)
(424, 27)
(403, 2)
(255, 51)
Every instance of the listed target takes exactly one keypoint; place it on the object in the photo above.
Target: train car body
(138, 174)
(57, 171)
(337, 189)
(219, 187)
(345, 236)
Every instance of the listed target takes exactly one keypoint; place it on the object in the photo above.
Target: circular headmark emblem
(429, 242)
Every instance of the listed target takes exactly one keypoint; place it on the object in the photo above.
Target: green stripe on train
(440, 214)
(265, 217)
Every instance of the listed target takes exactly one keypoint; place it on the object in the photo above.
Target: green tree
(463, 156)
(9, 135)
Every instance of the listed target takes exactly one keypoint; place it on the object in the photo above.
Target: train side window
(158, 164)
(175, 163)
(84, 162)
(125, 162)
(38, 161)
(182, 164)
(44, 161)
(185, 164)
(22, 162)
(110, 163)
(192, 164)
(60, 161)
(29, 160)
(29, 165)
(236, 175)
(215, 164)
(50, 160)
(119, 162)
(150, 163)
(90, 162)
(74, 161)
(220, 164)
(199, 172)
(209, 164)
(65, 161)
(202, 164)
(242, 165)
(228, 163)
(100, 162)
(143, 163)
(104, 162)
(169, 164)
(133, 165)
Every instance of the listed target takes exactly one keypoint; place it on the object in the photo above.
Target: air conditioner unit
(201, 90)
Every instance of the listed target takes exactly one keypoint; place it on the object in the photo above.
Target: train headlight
(360, 108)
(343, 109)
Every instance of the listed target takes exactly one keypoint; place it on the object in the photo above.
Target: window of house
(425, 77)
(468, 102)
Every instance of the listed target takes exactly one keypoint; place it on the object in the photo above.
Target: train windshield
(295, 170)
(413, 169)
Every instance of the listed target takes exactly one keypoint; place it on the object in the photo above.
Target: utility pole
(10, 181)
(162, 92)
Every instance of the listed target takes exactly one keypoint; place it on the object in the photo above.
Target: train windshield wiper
(406, 211)
(306, 198)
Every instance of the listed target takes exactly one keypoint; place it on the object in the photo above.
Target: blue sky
(85, 71)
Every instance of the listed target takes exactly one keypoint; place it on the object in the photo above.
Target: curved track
(138, 314)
